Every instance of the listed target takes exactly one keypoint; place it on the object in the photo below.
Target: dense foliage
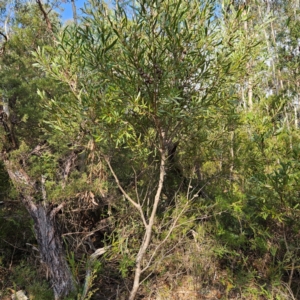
(166, 135)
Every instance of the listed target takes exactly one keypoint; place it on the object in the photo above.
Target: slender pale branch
(88, 277)
(136, 188)
(136, 205)
(148, 233)
(56, 210)
(44, 193)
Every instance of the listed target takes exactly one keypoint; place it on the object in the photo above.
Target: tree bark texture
(51, 250)
(46, 230)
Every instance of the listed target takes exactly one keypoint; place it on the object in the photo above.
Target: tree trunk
(51, 250)
(46, 230)
(43, 214)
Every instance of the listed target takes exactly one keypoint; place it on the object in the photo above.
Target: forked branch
(147, 224)
(148, 232)
(127, 197)
(45, 15)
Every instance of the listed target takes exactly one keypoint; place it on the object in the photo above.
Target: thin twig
(136, 187)
(173, 226)
(136, 205)
(56, 210)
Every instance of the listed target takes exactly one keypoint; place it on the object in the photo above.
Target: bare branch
(136, 205)
(89, 272)
(4, 35)
(44, 194)
(38, 150)
(67, 167)
(136, 187)
(148, 233)
(173, 226)
(56, 210)
(46, 17)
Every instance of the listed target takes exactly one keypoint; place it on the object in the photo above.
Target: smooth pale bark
(148, 232)
(232, 154)
(249, 71)
(148, 224)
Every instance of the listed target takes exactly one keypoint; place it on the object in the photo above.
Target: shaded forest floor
(29, 275)
(187, 288)
(191, 272)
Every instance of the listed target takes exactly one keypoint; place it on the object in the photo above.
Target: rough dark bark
(46, 230)
(4, 35)
(9, 140)
(51, 250)
(2, 48)
(42, 213)
(45, 15)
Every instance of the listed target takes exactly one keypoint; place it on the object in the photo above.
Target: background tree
(25, 153)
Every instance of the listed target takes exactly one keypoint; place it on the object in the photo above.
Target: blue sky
(67, 13)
